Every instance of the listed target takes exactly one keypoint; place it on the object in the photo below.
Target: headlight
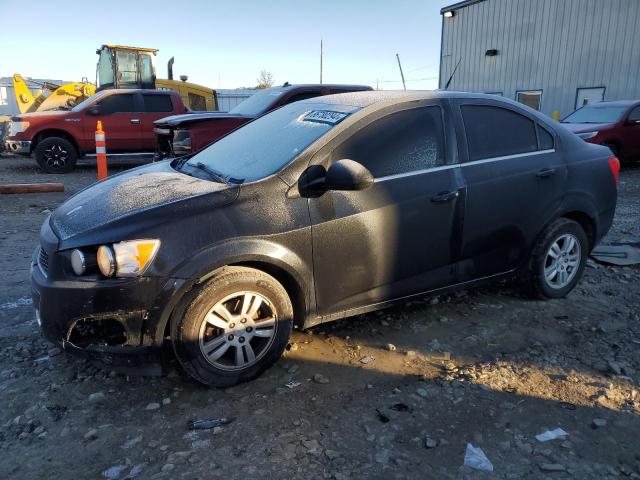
(17, 127)
(106, 261)
(587, 135)
(78, 262)
(134, 256)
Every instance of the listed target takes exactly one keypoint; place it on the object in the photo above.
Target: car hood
(586, 127)
(134, 201)
(187, 118)
(25, 117)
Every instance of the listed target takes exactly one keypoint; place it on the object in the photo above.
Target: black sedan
(322, 209)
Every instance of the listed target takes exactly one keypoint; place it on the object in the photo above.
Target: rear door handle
(445, 196)
(546, 172)
(135, 120)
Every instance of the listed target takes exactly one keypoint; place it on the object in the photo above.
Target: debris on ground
(475, 458)
(621, 255)
(208, 424)
(291, 384)
(551, 435)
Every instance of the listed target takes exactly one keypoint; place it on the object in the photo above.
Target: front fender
(256, 251)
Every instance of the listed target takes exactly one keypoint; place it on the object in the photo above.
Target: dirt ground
(394, 394)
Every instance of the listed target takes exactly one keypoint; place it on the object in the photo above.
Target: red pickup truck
(179, 135)
(58, 138)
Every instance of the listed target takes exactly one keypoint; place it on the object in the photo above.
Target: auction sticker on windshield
(324, 116)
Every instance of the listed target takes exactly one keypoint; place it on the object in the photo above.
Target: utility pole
(401, 74)
(321, 61)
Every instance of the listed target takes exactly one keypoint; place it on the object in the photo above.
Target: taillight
(614, 166)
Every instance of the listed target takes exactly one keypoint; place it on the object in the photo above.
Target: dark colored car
(320, 210)
(183, 134)
(57, 138)
(613, 124)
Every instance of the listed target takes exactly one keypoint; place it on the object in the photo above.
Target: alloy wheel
(562, 261)
(238, 330)
(56, 156)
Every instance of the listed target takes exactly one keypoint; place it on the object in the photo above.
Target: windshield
(81, 106)
(264, 146)
(258, 103)
(596, 114)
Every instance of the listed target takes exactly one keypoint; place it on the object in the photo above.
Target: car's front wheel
(235, 326)
(56, 155)
(558, 260)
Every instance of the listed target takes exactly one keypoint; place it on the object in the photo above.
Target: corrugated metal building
(229, 98)
(553, 55)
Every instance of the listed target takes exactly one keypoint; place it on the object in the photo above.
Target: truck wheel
(56, 155)
(558, 260)
(234, 327)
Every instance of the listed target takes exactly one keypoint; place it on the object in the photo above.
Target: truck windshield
(596, 114)
(258, 103)
(264, 146)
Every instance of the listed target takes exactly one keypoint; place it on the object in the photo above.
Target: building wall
(556, 46)
(229, 98)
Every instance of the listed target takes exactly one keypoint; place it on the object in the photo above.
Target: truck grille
(43, 262)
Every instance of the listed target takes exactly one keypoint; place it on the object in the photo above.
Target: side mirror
(95, 110)
(347, 175)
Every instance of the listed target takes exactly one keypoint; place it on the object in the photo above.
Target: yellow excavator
(120, 66)
(52, 95)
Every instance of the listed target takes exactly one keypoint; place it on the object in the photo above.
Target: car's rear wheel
(558, 260)
(235, 326)
(56, 155)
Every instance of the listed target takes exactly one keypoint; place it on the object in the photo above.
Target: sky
(223, 44)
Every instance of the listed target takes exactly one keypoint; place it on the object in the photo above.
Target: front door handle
(546, 172)
(445, 196)
(135, 121)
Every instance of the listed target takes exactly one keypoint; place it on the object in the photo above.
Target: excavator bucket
(25, 99)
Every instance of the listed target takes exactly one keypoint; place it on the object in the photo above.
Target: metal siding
(556, 46)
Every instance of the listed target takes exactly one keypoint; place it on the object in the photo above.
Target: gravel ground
(393, 394)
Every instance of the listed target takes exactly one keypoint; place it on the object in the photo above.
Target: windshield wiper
(212, 173)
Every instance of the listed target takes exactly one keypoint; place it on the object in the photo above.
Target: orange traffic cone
(101, 152)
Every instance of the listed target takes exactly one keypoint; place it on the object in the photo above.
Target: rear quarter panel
(590, 184)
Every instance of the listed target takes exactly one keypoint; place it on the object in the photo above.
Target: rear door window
(402, 142)
(157, 103)
(118, 103)
(497, 132)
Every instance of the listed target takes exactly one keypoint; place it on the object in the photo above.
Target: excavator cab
(120, 66)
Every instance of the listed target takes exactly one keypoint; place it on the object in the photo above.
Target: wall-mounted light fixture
(491, 53)
(449, 13)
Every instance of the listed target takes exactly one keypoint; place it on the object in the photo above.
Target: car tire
(547, 277)
(56, 155)
(220, 339)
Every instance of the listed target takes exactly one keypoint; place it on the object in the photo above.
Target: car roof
(614, 103)
(332, 86)
(368, 98)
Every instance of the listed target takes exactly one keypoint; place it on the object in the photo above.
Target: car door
(515, 180)
(631, 129)
(155, 105)
(398, 237)
(119, 115)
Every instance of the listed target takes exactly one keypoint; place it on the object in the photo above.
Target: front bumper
(22, 147)
(110, 321)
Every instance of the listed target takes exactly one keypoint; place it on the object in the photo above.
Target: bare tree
(265, 79)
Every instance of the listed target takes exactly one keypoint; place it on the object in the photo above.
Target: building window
(531, 98)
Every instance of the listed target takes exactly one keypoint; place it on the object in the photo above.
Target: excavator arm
(62, 96)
